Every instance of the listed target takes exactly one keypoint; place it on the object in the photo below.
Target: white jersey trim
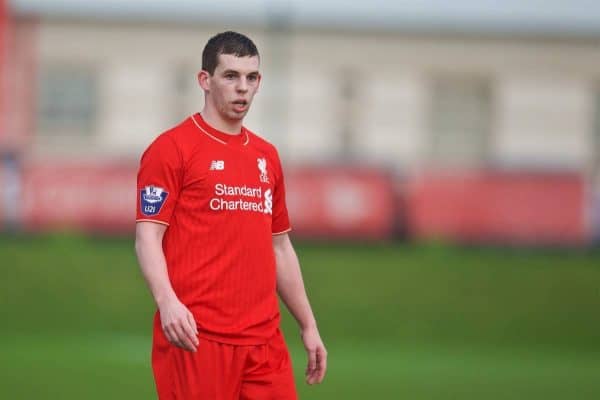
(216, 138)
(152, 220)
(206, 133)
(282, 232)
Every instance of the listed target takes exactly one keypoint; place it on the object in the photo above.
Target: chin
(237, 116)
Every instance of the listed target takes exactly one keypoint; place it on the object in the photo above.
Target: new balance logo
(217, 165)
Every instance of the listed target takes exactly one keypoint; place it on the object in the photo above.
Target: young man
(212, 244)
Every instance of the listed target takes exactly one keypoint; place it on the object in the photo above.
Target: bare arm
(177, 321)
(290, 287)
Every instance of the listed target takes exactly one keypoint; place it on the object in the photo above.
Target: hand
(317, 356)
(179, 325)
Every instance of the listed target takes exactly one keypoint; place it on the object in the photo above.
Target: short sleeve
(281, 222)
(159, 181)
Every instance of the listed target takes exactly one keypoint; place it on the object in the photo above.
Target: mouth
(240, 105)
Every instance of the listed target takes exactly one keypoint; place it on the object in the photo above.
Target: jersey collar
(225, 138)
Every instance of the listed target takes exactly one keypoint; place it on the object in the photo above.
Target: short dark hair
(226, 43)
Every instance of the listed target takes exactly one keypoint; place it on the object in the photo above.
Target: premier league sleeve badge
(152, 199)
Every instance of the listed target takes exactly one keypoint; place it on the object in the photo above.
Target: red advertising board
(536, 208)
(92, 196)
(323, 202)
(336, 202)
(341, 202)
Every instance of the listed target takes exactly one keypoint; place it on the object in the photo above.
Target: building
(411, 86)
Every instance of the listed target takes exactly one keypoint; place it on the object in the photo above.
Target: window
(348, 98)
(460, 121)
(67, 100)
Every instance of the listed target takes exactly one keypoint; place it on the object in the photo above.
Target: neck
(214, 119)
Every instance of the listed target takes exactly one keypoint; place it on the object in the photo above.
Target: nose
(242, 85)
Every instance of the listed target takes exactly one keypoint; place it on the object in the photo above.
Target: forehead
(240, 64)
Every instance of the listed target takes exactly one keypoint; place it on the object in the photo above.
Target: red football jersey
(222, 197)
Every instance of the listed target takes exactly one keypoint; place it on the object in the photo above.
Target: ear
(204, 80)
(258, 83)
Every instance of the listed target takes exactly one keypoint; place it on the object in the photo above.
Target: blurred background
(442, 163)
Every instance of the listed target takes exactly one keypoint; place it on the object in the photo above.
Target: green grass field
(400, 321)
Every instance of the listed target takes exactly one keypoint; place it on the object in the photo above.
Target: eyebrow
(232, 71)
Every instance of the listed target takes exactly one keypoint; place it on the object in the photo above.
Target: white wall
(544, 120)
(543, 91)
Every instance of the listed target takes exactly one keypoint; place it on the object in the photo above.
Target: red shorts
(218, 371)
